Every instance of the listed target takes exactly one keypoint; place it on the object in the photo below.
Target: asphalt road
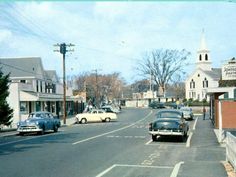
(116, 149)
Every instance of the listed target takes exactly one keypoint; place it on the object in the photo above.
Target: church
(204, 76)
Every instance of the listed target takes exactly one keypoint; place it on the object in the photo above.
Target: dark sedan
(169, 122)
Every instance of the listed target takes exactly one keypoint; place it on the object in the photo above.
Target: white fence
(231, 149)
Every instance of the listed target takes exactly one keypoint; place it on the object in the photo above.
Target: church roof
(215, 73)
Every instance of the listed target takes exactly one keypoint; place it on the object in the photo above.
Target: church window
(192, 84)
(205, 83)
(206, 57)
(200, 57)
(198, 75)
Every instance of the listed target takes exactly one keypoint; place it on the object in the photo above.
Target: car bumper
(29, 129)
(166, 133)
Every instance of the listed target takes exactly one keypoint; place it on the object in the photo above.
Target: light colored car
(187, 112)
(169, 122)
(95, 115)
(38, 122)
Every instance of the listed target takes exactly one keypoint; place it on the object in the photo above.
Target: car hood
(30, 121)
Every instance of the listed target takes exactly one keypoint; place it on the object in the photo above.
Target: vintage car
(109, 108)
(157, 105)
(95, 115)
(169, 122)
(188, 113)
(38, 122)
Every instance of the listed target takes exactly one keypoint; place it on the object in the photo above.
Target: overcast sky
(112, 36)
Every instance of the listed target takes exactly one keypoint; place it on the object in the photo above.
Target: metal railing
(231, 149)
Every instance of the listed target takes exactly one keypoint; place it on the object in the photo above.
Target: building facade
(204, 76)
(34, 89)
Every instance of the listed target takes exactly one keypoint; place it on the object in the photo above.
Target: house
(204, 76)
(223, 100)
(33, 88)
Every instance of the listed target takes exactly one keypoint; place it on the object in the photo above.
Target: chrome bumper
(166, 132)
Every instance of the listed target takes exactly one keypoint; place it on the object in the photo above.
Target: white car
(95, 115)
(187, 112)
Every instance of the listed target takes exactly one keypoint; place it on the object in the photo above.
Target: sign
(229, 70)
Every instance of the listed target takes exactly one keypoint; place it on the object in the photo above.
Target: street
(115, 149)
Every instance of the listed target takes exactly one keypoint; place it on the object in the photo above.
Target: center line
(94, 137)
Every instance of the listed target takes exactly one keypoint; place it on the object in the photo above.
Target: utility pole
(63, 51)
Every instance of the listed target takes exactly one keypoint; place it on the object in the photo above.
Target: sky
(111, 36)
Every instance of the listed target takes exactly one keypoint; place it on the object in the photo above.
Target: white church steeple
(203, 57)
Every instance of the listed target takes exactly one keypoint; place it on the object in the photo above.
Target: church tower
(203, 57)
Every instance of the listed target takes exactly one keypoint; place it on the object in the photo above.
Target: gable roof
(26, 67)
(51, 75)
(214, 73)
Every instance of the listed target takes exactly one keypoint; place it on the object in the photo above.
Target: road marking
(176, 169)
(125, 165)
(106, 171)
(189, 139)
(107, 133)
(195, 123)
(149, 142)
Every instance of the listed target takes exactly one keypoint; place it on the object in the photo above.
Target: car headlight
(37, 123)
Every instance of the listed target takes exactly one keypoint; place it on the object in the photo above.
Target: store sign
(229, 71)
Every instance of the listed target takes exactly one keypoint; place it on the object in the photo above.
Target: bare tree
(163, 65)
(98, 86)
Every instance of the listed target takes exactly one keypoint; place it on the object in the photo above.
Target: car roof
(169, 110)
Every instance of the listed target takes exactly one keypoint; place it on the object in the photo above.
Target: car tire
(154, 137)
(21, 133)
(43, 131)
(83, 121)
(107, 119)
(55, 128)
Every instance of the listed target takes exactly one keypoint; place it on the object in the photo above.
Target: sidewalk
(206, 155)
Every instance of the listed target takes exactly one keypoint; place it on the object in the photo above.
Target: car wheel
(107, 119)
(154, 137)
(55, 128)
(42, 132)
(83, 121)
(21, 133)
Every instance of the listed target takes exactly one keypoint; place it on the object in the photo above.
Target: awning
(33, 96)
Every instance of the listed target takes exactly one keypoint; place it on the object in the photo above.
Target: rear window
(169, 115)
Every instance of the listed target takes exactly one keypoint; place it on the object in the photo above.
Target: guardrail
(231, 149)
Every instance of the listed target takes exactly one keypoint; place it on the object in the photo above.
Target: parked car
(95, 115)
(38, 122)
(109, 108)
(169, 122)
(157, 105)
(188, 113)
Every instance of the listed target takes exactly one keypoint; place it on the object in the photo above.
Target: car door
(102, 114)
(95, 116)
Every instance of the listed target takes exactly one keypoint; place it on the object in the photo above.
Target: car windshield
(35, 115)
(168, 115)
(185, 109)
